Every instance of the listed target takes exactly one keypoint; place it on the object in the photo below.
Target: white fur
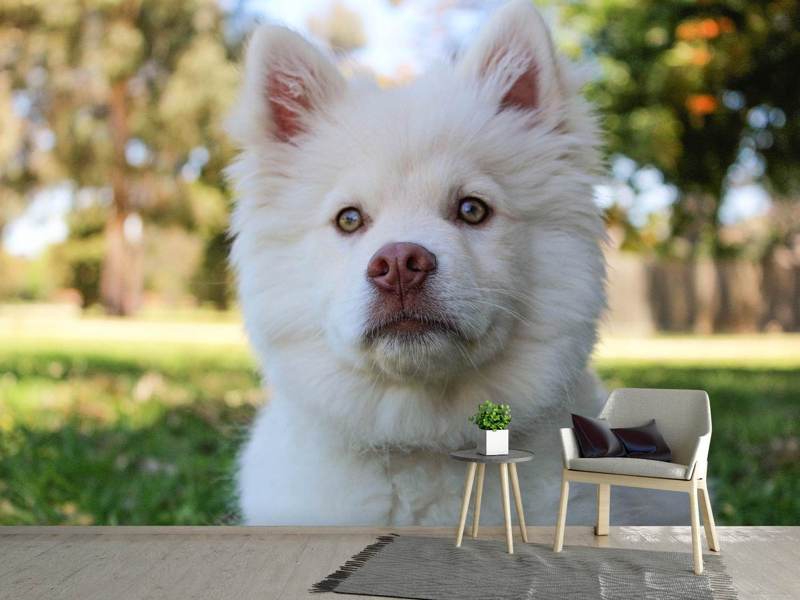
(360, 435)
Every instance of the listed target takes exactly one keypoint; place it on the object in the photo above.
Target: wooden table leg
(518, 501)
(465, 502)
(476, 517)
(506, 506)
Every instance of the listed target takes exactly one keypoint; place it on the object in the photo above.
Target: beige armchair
(684, 419)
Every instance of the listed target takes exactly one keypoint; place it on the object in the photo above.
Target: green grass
(141, 432)
(121, 434)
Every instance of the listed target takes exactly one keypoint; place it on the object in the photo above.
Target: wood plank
(127, 566)
(41, 577)
(29, 547)
(274, 563)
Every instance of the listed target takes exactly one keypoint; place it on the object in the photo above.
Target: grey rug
(434, 569)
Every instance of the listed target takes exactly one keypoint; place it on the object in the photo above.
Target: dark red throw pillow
(595, 438)
(644, 441)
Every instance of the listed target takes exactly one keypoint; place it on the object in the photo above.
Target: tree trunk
(795, 299)
(121, 279)
(723, 316)
(121, 276)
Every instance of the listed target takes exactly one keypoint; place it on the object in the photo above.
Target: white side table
(508, 462)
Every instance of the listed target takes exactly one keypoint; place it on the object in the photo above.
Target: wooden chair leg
(465, 502)
(562, 516)
(697, 550)
(518, 502)
(506, 506)
(476, 517)
(708, 516)
(603, 508)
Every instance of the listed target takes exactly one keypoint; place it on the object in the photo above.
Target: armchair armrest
(699, 460)
(569, 446)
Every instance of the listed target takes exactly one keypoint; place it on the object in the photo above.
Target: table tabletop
(472, 455)
(281, 563)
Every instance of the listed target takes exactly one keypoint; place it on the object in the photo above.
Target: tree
(706, 92)
(683, 85)
(123, 98)
(10, 137)
(341, 28)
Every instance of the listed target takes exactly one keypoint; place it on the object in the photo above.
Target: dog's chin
(419, 353)
(420, 349)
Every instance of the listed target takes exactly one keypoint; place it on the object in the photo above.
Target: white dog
(404, 254)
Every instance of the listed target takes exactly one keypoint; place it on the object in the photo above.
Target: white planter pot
(492, 443)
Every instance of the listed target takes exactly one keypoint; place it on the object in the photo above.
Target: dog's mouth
(429, 344)
(408, 324)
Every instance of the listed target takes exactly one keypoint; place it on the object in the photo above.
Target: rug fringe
(332, 581)
(721, 583)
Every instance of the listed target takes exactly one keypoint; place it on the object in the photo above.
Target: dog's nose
(400, 266)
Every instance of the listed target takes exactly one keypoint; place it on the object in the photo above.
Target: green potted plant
(492, 421)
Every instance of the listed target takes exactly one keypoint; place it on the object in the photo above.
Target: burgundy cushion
(595, 438)
(644, 441)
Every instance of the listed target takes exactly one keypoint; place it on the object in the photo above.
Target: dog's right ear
(287, 82)
(514, 61)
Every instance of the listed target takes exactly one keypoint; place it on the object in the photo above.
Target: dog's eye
(349, 219)
(472, 210)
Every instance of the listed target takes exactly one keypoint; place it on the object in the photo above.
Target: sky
(411, 33)
(400, 37)
(42, 224)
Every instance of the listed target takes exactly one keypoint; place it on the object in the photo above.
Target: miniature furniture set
(684, 421)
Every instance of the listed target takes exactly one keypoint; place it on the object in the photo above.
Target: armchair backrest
(682, 416)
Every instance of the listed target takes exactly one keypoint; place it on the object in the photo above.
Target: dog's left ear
(514, 62)
(287, 82)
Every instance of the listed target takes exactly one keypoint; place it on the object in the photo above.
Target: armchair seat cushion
(632, 466)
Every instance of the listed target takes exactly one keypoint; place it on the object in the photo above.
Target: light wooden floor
(267, 563)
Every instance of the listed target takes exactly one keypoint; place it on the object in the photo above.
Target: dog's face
(413, 232)
(422, 255)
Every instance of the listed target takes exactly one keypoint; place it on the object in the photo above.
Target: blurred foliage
(213, 281)
(82, 258)
(125, 99)
(706, 92)
(26, 280)
(79, 259)
(165, 276)
(341, 28)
